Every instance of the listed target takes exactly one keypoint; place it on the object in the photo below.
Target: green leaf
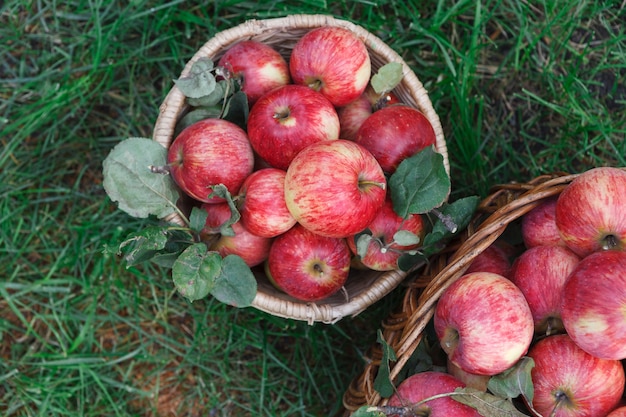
(487, 405)
(197, 219)
(129, 180)
(144, 245)
(200, 82)
(420, 183)
(382, 382)
(409, 260)
(460, 212)
(515, 381)
(406, 238)
(236, 284)
(363, 241)
(212, 99)
(368, 411)
(220, 190)
(387, 77)
(196, 115)
(194, 272)
(236, 110)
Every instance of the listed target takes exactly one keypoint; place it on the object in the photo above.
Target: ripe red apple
(353, 114)
(253, 249)
(618, 412)
(495, 259)
(207, 153)
(395, 133)
(540, 273)
(423, 385)
(333, 61)
(382, 251)
(288, 119)
(334, 188)
(483, 323)
(539, 225)
(261, 203)
(258, 67)
(307, 266)
(590, 211)
(570, 382)
(594, 304)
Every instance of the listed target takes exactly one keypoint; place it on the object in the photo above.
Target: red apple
(494, 258)
(207, 153)
(423, 385)
(261, 203)
(540, 273)
(288, 119)
(590, 211)
(483, 323)
(253, 249)
(395, 133)
(594, 304)
(258, 67)
(307, 266)
(333, 61)
(539, 225)
(618, 412)
(570, 382)
(382, 251)
(334, 188)
(352, 115)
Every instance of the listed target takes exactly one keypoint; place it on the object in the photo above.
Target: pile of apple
(561, 301)
(308, 171)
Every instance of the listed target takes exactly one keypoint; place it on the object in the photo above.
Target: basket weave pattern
(363, 287)
(403, 329)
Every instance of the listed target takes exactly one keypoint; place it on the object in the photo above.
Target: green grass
(522, 89)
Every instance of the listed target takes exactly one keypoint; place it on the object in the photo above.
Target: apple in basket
(483, 323)
(591, 211)
(308, 266)
(395, 133)
(210, 152)
(618, 412)
(569, 382)
(538, 226)
(287, 119)
(352, 115)
(593, 309)
(540, 273)
(257, 66)
(335, 188)
(333, 61)
(422, 385)
(261, 203)
(253, 249)
(383, 250)
(495, 259)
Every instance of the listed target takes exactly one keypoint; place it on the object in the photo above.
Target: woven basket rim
(506, 204)
(174, 104)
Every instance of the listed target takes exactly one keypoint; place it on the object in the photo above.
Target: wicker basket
(362, 288)
(403, 329)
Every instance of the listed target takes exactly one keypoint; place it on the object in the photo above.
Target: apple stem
(366, 183)
(163, 169)
(316, 84)
(447, 220)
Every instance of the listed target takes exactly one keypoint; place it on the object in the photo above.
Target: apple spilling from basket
(560, 302)
(291, 176)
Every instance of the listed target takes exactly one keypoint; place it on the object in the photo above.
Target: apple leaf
(143, 245)
(196, 115)
(420, 183)
(368, 411)
(387, 77)
(197, 219)
(195, 270)
(235, 285)
(382, 382)
(459, 212)
(218, 94)
(200, 82)
(362, 241)
(514, 381)
(487, 405)
(220, 190)
(406, 238)
(236, 109)
(129, 180)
